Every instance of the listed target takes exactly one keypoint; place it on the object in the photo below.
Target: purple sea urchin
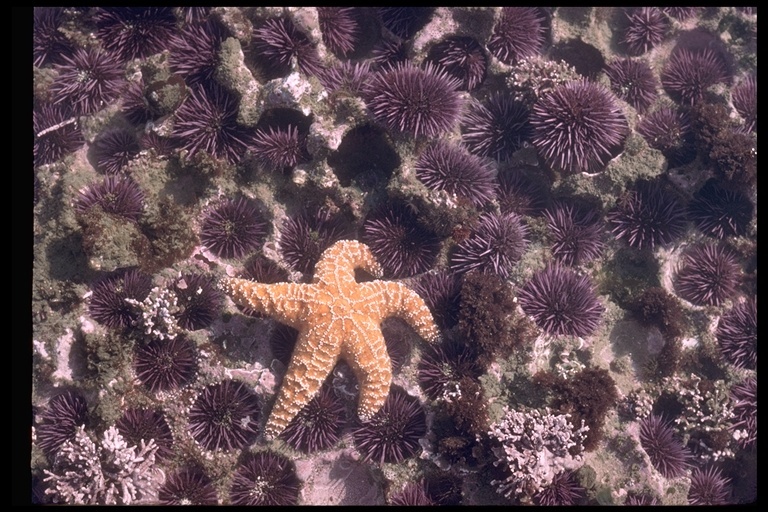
(188, 486)
(400, 244)
(199, 301)
(304, 238)
(564, 490)
(340, 28)
(561, 302)
(669, 130)
(404, 22)
(116, 195)
(108, 305)
(440, 292)
(413, 494)
(207, 121)
(59, 421)
(225, 416)
(420, 102)
(633, 81)
(737, 334)
(194, 51)
(667, 453)
(57, 133)
(278, 41)
(520, 32)
(265, 478)
(688, 74)
(576, 233)
(496, 244)
(442, 367)
(318, 425)
(708, 275)
(88, 80)
(164, 365)
(136, 425)
(347, 77)
(463, 58)
(233, 228)
(49, 43)
(387, 53)
(497, 128)
(744, 99)
(279, 147)
(647, 216)
(744, 398)
(720, 212)
(681, 13)
(444, 167)
(708, 487)
(646, 28)
(578, 127)
(520, 194)
(393, 433)
(114, 149)
(134, 32)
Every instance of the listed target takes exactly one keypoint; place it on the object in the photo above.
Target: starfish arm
(399, 300)
(366, 353)
(338, 262)
(313, 359)
(282, 301)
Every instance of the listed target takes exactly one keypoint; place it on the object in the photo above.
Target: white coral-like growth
(534, 448)
(111, 473)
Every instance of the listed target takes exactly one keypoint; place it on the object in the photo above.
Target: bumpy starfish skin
(337, 318)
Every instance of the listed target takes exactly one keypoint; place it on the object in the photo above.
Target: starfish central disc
(337, 318)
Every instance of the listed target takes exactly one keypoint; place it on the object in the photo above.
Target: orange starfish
(337, 318)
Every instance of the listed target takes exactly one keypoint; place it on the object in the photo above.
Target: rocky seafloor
(571, 190)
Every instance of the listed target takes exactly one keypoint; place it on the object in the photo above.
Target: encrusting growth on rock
(337, 318)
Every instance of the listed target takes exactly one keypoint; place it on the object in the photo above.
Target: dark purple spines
(562, 302)
(647, 216)
(318, 425)
(199, 301)
(340, 28)
(265, 478)
(134, 32)
(520, 194)
(136, 425)
(404, 22)
(520, 32)
(564, 490)
(667, 453)
(709, 487)
(88, 80)
(495, 246)
(440, 292)
(114, 149)
(669, 130)
(445, 167)
(165, 365)
(304, 238)
(387, 53)
(646, 28)
(634, 82)
(117, 195)
(108, 305)
(225, 416)
(207, 121)
(744, 398)
(279, 147)
(194, 51)
(744, 99)
(413, 494)
(346, 77)
(576, 233)
(278, 40)
(59, 421)
(57, 133)
(708, 275)
(720, 212)
(419, 102)
(497, 128)
(188, 486)
(392, 434)
(463, 58)
(737, 334)
(578, 127)
(443, 366)
(233, 228)
(681, 13)
(689, 73)
(49, 44)
(400, 244)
